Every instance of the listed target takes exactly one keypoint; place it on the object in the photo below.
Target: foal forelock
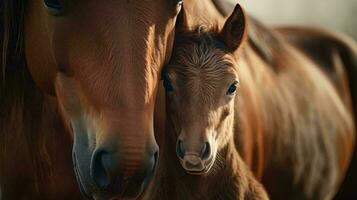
(201, 68)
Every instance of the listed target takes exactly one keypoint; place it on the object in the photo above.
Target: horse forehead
(124, 15)
(204, 78)
(108, 64)
(146, 10)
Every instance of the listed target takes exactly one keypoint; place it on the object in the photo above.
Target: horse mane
(11, 32)
(22, 106)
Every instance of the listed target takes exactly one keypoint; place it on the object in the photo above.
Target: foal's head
(201, 82)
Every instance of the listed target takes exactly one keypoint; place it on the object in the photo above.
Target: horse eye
(167, 83)
(55, 7)
(232, 88)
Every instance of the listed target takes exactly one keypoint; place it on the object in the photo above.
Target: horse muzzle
(193, 162)
(101, 175)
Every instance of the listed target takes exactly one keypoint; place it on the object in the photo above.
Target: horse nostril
(206, 151)
(152, 166)
(100, 169)
(180, 150)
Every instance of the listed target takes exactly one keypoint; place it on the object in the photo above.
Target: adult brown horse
(83, 71)
(320, 44)
(294, 122)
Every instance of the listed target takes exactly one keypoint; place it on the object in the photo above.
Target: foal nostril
(100, 169)
(180, 150)
(206, 151)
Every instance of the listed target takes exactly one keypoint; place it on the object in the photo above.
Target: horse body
(305, 127)
(317, 124)
(336, 56)
(333, 54)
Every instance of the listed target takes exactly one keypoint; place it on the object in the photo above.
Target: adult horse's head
(102, 61)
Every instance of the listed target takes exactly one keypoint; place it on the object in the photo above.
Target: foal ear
(182, 21)
(234, 29)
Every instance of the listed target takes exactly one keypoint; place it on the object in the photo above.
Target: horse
(81, 73)
(200, 95)
(331, 51)
(293, 123)
(342, 50)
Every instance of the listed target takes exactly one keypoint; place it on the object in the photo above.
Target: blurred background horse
(317, 43)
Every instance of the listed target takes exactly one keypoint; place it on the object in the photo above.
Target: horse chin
(198, 173)
(205, 171)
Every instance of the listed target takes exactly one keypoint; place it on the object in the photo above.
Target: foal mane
(263, 40)
(25, 117)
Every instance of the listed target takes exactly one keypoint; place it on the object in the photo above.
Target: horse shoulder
(334, 53)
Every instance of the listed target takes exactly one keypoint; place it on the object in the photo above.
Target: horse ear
(182, 21)
(234, 29)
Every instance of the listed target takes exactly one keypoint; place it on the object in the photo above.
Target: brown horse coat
(308, 128)
(336, 55)
(294, 125)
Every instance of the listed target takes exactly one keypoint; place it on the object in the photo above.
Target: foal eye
(55, 7)
(232, 88)
(167, 83)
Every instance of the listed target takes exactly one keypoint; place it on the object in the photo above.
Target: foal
(291, 126)
(201, 83)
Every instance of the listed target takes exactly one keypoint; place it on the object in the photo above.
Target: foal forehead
(200, 71)
(202, 62)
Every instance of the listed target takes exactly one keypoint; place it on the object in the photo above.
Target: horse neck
(32, 135)
(250, 126)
